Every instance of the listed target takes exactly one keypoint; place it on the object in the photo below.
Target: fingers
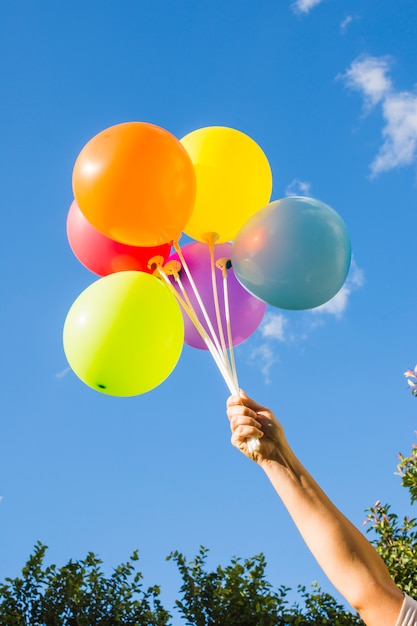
(239, 413)
(246, 417)
(244, 427)
(238, 418)
(242, 433)
(243, 399)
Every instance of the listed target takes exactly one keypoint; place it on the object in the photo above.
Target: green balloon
(124, 334)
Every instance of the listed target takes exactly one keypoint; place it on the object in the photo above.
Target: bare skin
(344, 554)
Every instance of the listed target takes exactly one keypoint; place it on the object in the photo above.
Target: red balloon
(103, 255)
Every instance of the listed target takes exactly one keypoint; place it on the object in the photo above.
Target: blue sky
(328, 91)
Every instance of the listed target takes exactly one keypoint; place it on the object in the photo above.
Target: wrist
(282, 458)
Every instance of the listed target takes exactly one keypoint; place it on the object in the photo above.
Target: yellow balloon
(234, 181)
(124, 334)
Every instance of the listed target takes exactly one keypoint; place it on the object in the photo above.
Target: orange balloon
(135, 183)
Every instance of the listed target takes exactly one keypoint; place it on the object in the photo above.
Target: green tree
(322, 608)
(407, 469)
(236, 594)
(396, 539)
(79, 594)
(240, 595)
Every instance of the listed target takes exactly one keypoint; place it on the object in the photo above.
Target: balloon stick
(219, 356)
(197, 295)
(224, 265)
(210, 239)
(189, 310)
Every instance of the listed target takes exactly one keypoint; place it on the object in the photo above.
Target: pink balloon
(246, 311)
(102, 255)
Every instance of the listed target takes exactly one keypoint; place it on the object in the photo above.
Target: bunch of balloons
(137, 188)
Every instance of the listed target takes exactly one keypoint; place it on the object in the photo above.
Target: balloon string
(210, 243)
(218, 356)
(192, 314)
(224, 264)
(189, 310)
(197, 295)
(232, 384)
(229, 328)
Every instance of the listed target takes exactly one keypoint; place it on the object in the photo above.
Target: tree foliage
(407, 469)
(79, 594)
(396, 539)
(236, 594)
(239, 594)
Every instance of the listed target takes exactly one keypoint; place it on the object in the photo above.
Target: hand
(249, 419)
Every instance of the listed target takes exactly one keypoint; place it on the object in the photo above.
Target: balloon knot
(173, 268)
(224, 264)
(210, 238)
(155, 262)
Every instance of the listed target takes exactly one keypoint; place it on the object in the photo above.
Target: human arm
(346, 557)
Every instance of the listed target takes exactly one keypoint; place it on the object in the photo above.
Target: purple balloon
(246, 311)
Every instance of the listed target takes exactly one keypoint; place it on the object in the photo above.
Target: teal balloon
(293, 254)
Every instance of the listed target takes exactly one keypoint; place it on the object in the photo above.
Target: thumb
(251, 404)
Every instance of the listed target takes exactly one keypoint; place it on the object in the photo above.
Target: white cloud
(345, 23)
(272, 326)
(264, 354)
(265, 357)
(304, 6)
(63, 373)
(338, 304)
(298, 187)
(369, 76)
(399, 133)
